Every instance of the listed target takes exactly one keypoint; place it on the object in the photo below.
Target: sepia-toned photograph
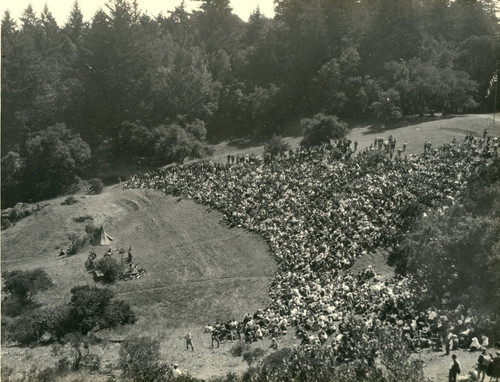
(250, 191)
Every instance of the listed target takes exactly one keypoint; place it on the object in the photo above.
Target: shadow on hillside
(244, 143)
(412, 120)
(13, 307)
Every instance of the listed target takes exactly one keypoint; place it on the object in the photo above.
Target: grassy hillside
(197, 269)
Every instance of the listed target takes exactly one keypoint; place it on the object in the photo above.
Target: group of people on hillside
(319, 213)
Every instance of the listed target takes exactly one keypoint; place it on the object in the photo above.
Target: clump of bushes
(252, 356)
(24, 284)
(83, 218)
(69, 200)
(276, 146)
(77, 242)
(11, 216)
(363, 354)
(321, 128)
(95, 186)
(140, 360)
(90, 309)
(79, 357)
(109, 267)
(238, 349)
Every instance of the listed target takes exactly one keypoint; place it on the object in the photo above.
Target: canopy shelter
(102, 238)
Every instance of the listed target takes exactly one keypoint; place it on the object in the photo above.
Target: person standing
(189, 341)
(454, 369)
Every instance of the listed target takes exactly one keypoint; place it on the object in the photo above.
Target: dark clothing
(454, 370)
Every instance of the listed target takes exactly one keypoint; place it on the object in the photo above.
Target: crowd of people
(319, 213)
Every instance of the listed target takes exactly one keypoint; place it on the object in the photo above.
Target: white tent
(102, 238)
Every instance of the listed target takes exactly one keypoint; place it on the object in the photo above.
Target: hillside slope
(198, 270)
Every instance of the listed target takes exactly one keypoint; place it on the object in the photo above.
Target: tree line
(125, 84)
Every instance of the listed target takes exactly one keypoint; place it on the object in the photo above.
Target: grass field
(197, 269)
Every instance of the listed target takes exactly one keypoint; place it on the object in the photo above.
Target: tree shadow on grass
(13, 307)
(411, 120)
(244, 143)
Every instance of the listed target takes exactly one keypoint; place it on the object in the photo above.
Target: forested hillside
(125, 85)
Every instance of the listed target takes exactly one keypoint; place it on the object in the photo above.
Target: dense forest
(125, 85)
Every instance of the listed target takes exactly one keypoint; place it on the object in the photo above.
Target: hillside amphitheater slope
(198, 270)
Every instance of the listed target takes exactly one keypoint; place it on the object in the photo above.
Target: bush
(22, 331)
(91, 230)
(90, 308)
(238, 349)
(76, 243)
(25, 284)
(69, 200)
(83, 218)
(276, 145)
(378, 354)
(321, 128)
(254, 355)
(10, 216)
(76, 187)
(52, 159)
(93, 309)
(174, 143)
(140, 359)
(95, 186)
(135, 138)
(48, 374)
(109, 268)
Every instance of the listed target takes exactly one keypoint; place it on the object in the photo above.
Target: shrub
(276, 145)
(321, 128)
(76, 243)
(135, 138)
(95, 186)
(83, 218)
(25, 284)
(91, 230)
(52, 159)
(109, 268)
(275, 360)
(22, 331)
(378, 354)
(10, 216)
(140, 359)
(70, 200)
(238, 349)
(76, 187)
(93, 309)
(49, 374)
(118, 313)
(63, 365)
(90, 308)
(254, 355)
(174, 143)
